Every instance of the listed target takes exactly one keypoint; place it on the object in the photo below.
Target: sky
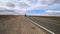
(30, 7)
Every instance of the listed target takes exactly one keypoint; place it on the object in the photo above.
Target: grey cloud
(9, 12)
(33, 1)
(10, 4)
(54, 7)
(22, 5)
(50, 2)
(5, 10)
(56, 1)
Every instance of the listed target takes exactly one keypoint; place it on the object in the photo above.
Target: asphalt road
(53, 26)
(18, 25)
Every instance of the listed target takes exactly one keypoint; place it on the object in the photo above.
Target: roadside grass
(51, 18)
(48, 17)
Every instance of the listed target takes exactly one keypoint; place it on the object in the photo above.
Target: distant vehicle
(25, 14)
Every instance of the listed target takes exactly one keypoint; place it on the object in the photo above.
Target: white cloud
(53, 13)
(4, 2)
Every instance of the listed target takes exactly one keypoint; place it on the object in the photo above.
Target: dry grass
(48, 17)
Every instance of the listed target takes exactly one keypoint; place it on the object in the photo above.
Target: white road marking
(42, 27)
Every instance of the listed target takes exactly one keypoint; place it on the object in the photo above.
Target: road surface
(18, 25)
(53, 26)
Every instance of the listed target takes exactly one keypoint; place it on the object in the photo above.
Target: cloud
(33, 1)
(54, 8)
(9, 11)
(4, 2)
(56, 1)
(53, 13)
(8, 7)
(22, 6)
(22, 3)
